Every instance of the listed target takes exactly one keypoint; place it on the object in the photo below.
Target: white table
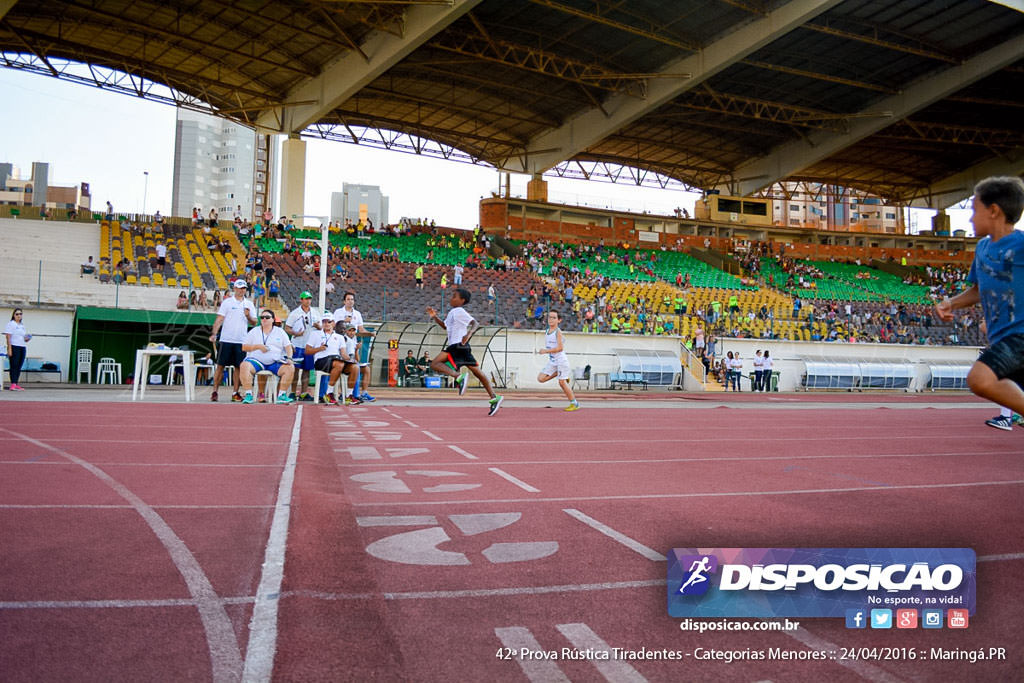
(142, 358)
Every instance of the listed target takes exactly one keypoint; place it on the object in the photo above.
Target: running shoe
(495, 404)
(1003, 422)
(236, 397)
(352, 401)
(16, 387)
(306, 397)
(213, 397)
(292, 396)
(284, 399)
(573, 407)
(1018, 419)
(463, 382)
(262, 398)
(330, 400)
(366, 398)
(248, 400)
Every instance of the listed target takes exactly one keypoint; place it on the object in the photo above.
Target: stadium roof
(908, 99)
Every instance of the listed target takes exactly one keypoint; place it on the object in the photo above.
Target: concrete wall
(596, 350)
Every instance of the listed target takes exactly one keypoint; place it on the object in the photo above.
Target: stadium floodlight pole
(324, 222)
(145, 189)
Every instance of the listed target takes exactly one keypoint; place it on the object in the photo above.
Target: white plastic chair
(109, 369)
(84, 365)
(342, 382)
(271, 388)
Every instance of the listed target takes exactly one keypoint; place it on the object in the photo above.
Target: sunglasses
(267, 317)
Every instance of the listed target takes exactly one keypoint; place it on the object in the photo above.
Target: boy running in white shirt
(558, 362)
(460, 326)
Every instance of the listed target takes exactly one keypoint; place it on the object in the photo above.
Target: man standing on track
(234, 316)
(348, 315)
(300, 324)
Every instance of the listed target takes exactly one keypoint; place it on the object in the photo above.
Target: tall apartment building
(823, 207)
(36, 190)
(358, 201)
(217, 165)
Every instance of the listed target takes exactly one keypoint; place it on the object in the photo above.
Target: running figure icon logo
(696, 580)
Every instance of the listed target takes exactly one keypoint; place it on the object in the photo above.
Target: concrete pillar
(293, 179)
(537, 189)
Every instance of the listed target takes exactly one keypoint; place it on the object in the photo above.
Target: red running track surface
(423, 539)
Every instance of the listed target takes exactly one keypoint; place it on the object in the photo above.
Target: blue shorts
(302, 361)
(1006, 358)
(260, 367)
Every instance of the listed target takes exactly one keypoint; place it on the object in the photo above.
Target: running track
(411, 542)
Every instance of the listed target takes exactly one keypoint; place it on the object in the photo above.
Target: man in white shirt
(267, 349)
(459, 269)
(348, 315)
(234, 316)
(301, 322)
(161, 256)
(331, 352)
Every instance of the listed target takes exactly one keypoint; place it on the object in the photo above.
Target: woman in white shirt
(17, 337)
(267, 348)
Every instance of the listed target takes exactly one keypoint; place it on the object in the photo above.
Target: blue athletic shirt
(998, 270)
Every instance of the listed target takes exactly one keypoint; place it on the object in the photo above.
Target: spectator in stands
(423, 364)
(217, 300)
(17, 338)
(110, 211)
(419, 276)
(302, 323)
(182, 301)
(193, 300)
(88, 268)
(161, 256)
(72, 214)
(409, 369)
(203, 302)
(232, 318)
(212, 219)
(458, 273)
(158, 220)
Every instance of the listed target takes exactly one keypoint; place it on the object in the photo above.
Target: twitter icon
(881, 618)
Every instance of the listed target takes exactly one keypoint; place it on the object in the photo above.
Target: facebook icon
(856, 618)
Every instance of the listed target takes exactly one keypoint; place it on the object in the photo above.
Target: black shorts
(161, 260)
(230, 354)
(324, 364)
(1006, 358)
(460, 355)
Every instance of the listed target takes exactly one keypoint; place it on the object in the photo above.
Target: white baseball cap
(240, 283)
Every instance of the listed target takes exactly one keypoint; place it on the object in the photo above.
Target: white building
(358, 201)
(823, 207)
(215, 166)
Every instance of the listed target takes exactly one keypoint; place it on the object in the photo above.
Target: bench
(628, 379)
(35, 366)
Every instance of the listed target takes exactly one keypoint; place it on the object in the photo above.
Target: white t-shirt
(736, 364)
(551, 342)
(301, 323)
(17, 332)
(236, 322)
(161, 251)
(457, 322)
(333, 341)
(767, 363)
(758, 362)
(346, 317)
(351, 343)
(276, 340)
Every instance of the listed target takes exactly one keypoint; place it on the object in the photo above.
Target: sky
(111, 140)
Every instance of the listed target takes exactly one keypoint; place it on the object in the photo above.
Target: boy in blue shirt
(996, 281)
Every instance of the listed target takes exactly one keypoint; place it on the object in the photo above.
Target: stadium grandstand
(153, 530)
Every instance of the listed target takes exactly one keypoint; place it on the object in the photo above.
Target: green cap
(305, 295)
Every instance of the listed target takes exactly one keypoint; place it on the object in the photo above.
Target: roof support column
(537, 189)
(293, 178)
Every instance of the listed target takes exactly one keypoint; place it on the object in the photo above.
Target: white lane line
(175, 465)
(129, 507)
(148, 441)
(613, 670)
(480, 592)
(435, 437)
(108, 604)
(635, 546)
(1001, 558)
(537, 670)
(860, 667)
(225, 657)
(462, 452)
(684, 441)
(411, 424)
(259, 655)
(399, 520)
(518, 482)
(720, 494)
